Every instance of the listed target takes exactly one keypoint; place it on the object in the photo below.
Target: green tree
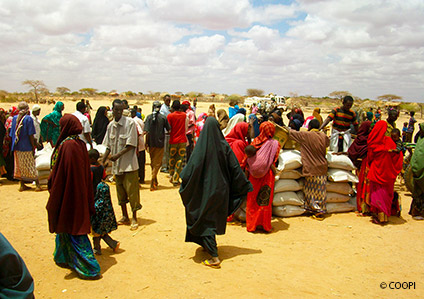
(63, 90)
(254, 92)
(389, 97)
(36, 85)
(88, 91)
(339, 94)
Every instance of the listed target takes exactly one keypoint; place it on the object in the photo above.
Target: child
(250, 151)
(395, 135)
(103, 221)
(404, 131)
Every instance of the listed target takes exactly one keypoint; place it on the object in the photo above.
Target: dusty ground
(343, 256)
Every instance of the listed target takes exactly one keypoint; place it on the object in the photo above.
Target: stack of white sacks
(339, 190)
(288, 191)
(43, 157)
(42, 163)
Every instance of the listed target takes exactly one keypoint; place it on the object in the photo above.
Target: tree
(234, 98)
(339, 94)
(36, 85)
(389, 97)
(253, 92)
(88, 91)
(62, 90)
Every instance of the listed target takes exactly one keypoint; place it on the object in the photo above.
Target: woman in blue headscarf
(253, 121)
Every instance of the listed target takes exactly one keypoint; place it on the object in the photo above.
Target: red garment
(384, 165)
(71, 201)
(363, 188)
(237, 140)
(259, 214)
(177, 121)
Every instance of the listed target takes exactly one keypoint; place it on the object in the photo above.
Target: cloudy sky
(311, 47)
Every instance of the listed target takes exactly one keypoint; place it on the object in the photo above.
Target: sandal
(134, 226)
(123, 221)
(214, 266)
(116, 247)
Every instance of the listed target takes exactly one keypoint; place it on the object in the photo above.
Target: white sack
(43, 162)
(287, 211)
(43, 174)
(339, 207)
(293, 174)
(289, 159)
(286, 185)
(340, 175)
(339, 162)
(336, 197)
(286, 198)
(341, 188)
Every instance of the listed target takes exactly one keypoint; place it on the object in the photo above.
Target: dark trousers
(109, 241)
(189, 147)
(141, 157)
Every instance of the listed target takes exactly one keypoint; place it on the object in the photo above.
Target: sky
(308, 47)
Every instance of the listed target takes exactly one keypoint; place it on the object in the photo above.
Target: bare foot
(23, 188)
(124, 221)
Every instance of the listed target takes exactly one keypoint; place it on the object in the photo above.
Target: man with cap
(35, 112)
(23, 146)
(155, 126)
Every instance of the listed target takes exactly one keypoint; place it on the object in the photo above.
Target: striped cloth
(25, 166)
(315, 190)
(343, 119)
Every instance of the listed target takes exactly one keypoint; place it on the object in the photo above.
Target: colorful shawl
(51, 132)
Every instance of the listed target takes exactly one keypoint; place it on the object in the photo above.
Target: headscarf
(233, 121)
(297, 123)
(23, 111)
(370, 115)
(358, 149)
(255, 124)
(384, 165)
(237, 139)
(71, 201)
(213, 184)
(12, 112)
(186, 103)
(223, 118)
(317, 115)
(267, 131)
(100, 125)
(200, 123)
(242, 111)
(48, 131)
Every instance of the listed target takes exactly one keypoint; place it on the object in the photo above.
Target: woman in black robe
(100, 125)
(213, 187)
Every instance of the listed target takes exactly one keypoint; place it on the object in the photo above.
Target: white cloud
(367, 47)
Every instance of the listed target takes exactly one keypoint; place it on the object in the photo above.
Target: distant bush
(409, 107)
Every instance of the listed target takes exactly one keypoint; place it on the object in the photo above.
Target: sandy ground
(342, 256)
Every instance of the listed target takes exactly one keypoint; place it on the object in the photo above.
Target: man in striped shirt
(342, 117)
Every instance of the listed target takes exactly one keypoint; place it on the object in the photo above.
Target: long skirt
(177, 154)
(381, 199)
(77, 253)
(25, 166)
(207, 242)
(259, 203)
(363, 188)
(315, 190)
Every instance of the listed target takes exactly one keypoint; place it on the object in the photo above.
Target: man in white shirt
(165, 109)
(121, 141)
(86, 129)
(36, 109)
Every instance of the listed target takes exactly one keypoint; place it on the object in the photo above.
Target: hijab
(233, 121)
(222, 118)
(253, 119)
(267, 131)
(100, 125)
(359, 147)
(317, 115)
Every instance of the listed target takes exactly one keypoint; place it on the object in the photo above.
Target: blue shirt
(24, 144)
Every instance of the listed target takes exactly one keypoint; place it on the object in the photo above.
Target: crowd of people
(219, 160)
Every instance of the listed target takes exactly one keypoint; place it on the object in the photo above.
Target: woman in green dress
(49, 126)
